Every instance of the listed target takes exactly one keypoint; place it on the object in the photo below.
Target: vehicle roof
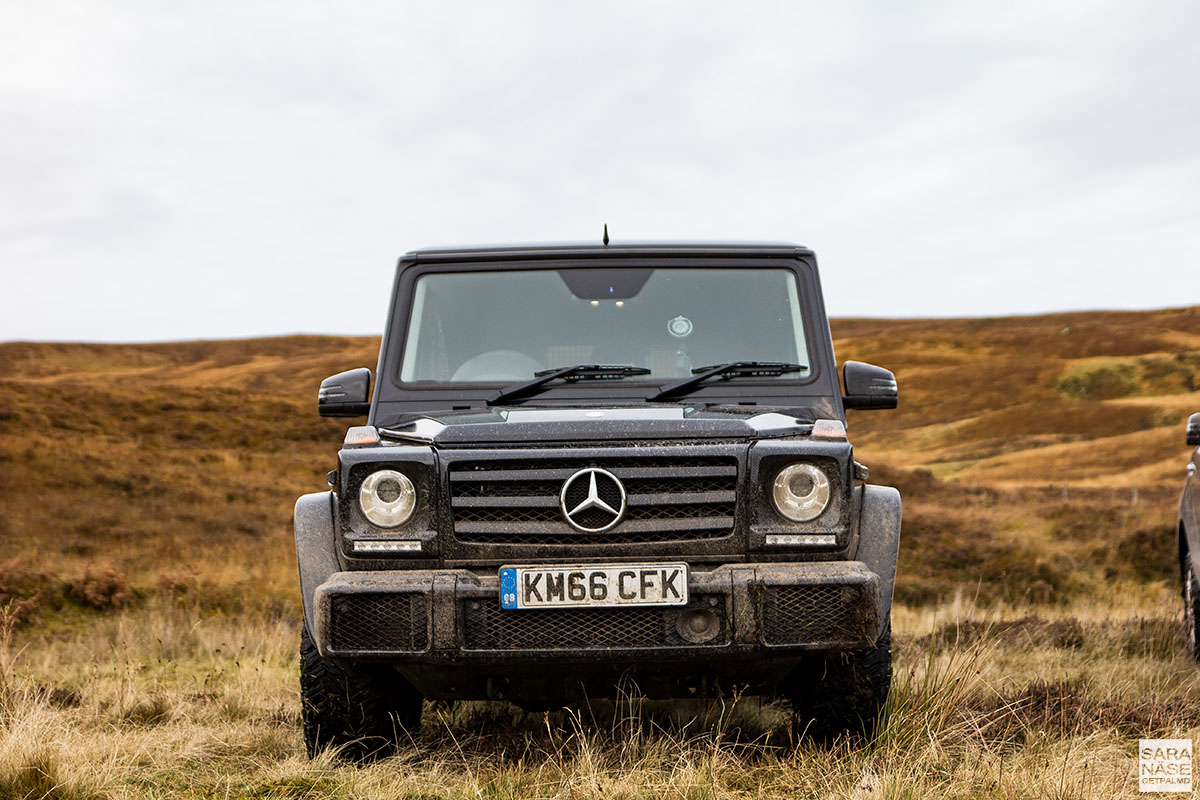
(596, 250)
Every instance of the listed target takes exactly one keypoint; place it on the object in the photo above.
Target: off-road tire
(844, 692)
(360, 709)
(1191, 609)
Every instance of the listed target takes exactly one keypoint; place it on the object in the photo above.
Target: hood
(516, 425)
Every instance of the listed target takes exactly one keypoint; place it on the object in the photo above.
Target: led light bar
(388, 546)
(801, 539)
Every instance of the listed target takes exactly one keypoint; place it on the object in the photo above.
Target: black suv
(1188, 534)
(583, 465)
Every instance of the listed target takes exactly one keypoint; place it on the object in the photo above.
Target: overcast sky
(203, 169)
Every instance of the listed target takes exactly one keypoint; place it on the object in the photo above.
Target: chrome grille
(670, 498)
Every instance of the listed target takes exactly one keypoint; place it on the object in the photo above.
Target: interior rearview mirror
(347, 394)
(868, 386)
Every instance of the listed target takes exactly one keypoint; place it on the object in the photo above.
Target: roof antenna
(606, 234)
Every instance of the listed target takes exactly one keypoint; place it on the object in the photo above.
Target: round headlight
(387, 498)
(801, 492)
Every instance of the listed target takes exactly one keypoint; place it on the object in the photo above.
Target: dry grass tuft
(107, 590)
(1067, 707)
(171, 700)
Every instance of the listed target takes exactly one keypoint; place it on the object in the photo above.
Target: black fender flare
(316, 554)
(879, 540)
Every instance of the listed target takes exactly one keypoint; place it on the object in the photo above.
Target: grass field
(149, 626)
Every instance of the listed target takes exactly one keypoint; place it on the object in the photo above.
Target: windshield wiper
(579, 372)
(734, 369)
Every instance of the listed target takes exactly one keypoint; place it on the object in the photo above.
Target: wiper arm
(734, 369)
(579, 372)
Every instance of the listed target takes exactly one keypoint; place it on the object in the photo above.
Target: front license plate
(594, 585)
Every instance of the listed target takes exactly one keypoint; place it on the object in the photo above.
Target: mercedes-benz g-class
(587, 464)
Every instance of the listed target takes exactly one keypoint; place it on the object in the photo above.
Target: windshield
(485, 326)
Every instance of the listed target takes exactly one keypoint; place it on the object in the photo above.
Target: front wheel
(361, 709)
(842, 692)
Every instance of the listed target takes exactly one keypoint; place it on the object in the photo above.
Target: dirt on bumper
(454, 617)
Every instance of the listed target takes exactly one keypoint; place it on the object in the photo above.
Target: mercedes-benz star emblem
(592, 500)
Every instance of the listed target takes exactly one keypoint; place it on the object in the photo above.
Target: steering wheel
(497, 365)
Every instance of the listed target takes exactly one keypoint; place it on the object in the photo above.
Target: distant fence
(1133, 495)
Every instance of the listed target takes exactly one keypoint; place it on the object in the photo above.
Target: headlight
(387, 498)
(801, 492)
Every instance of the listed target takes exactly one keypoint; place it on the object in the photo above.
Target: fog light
(698, 625)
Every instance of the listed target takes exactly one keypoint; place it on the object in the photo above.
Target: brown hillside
(174, 466)
(128, 470)
(1092, 399)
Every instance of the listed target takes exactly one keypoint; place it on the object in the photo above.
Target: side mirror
(1193, 429)
(347, 394)
(868, 386)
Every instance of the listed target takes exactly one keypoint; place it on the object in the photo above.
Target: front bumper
(449, 617)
